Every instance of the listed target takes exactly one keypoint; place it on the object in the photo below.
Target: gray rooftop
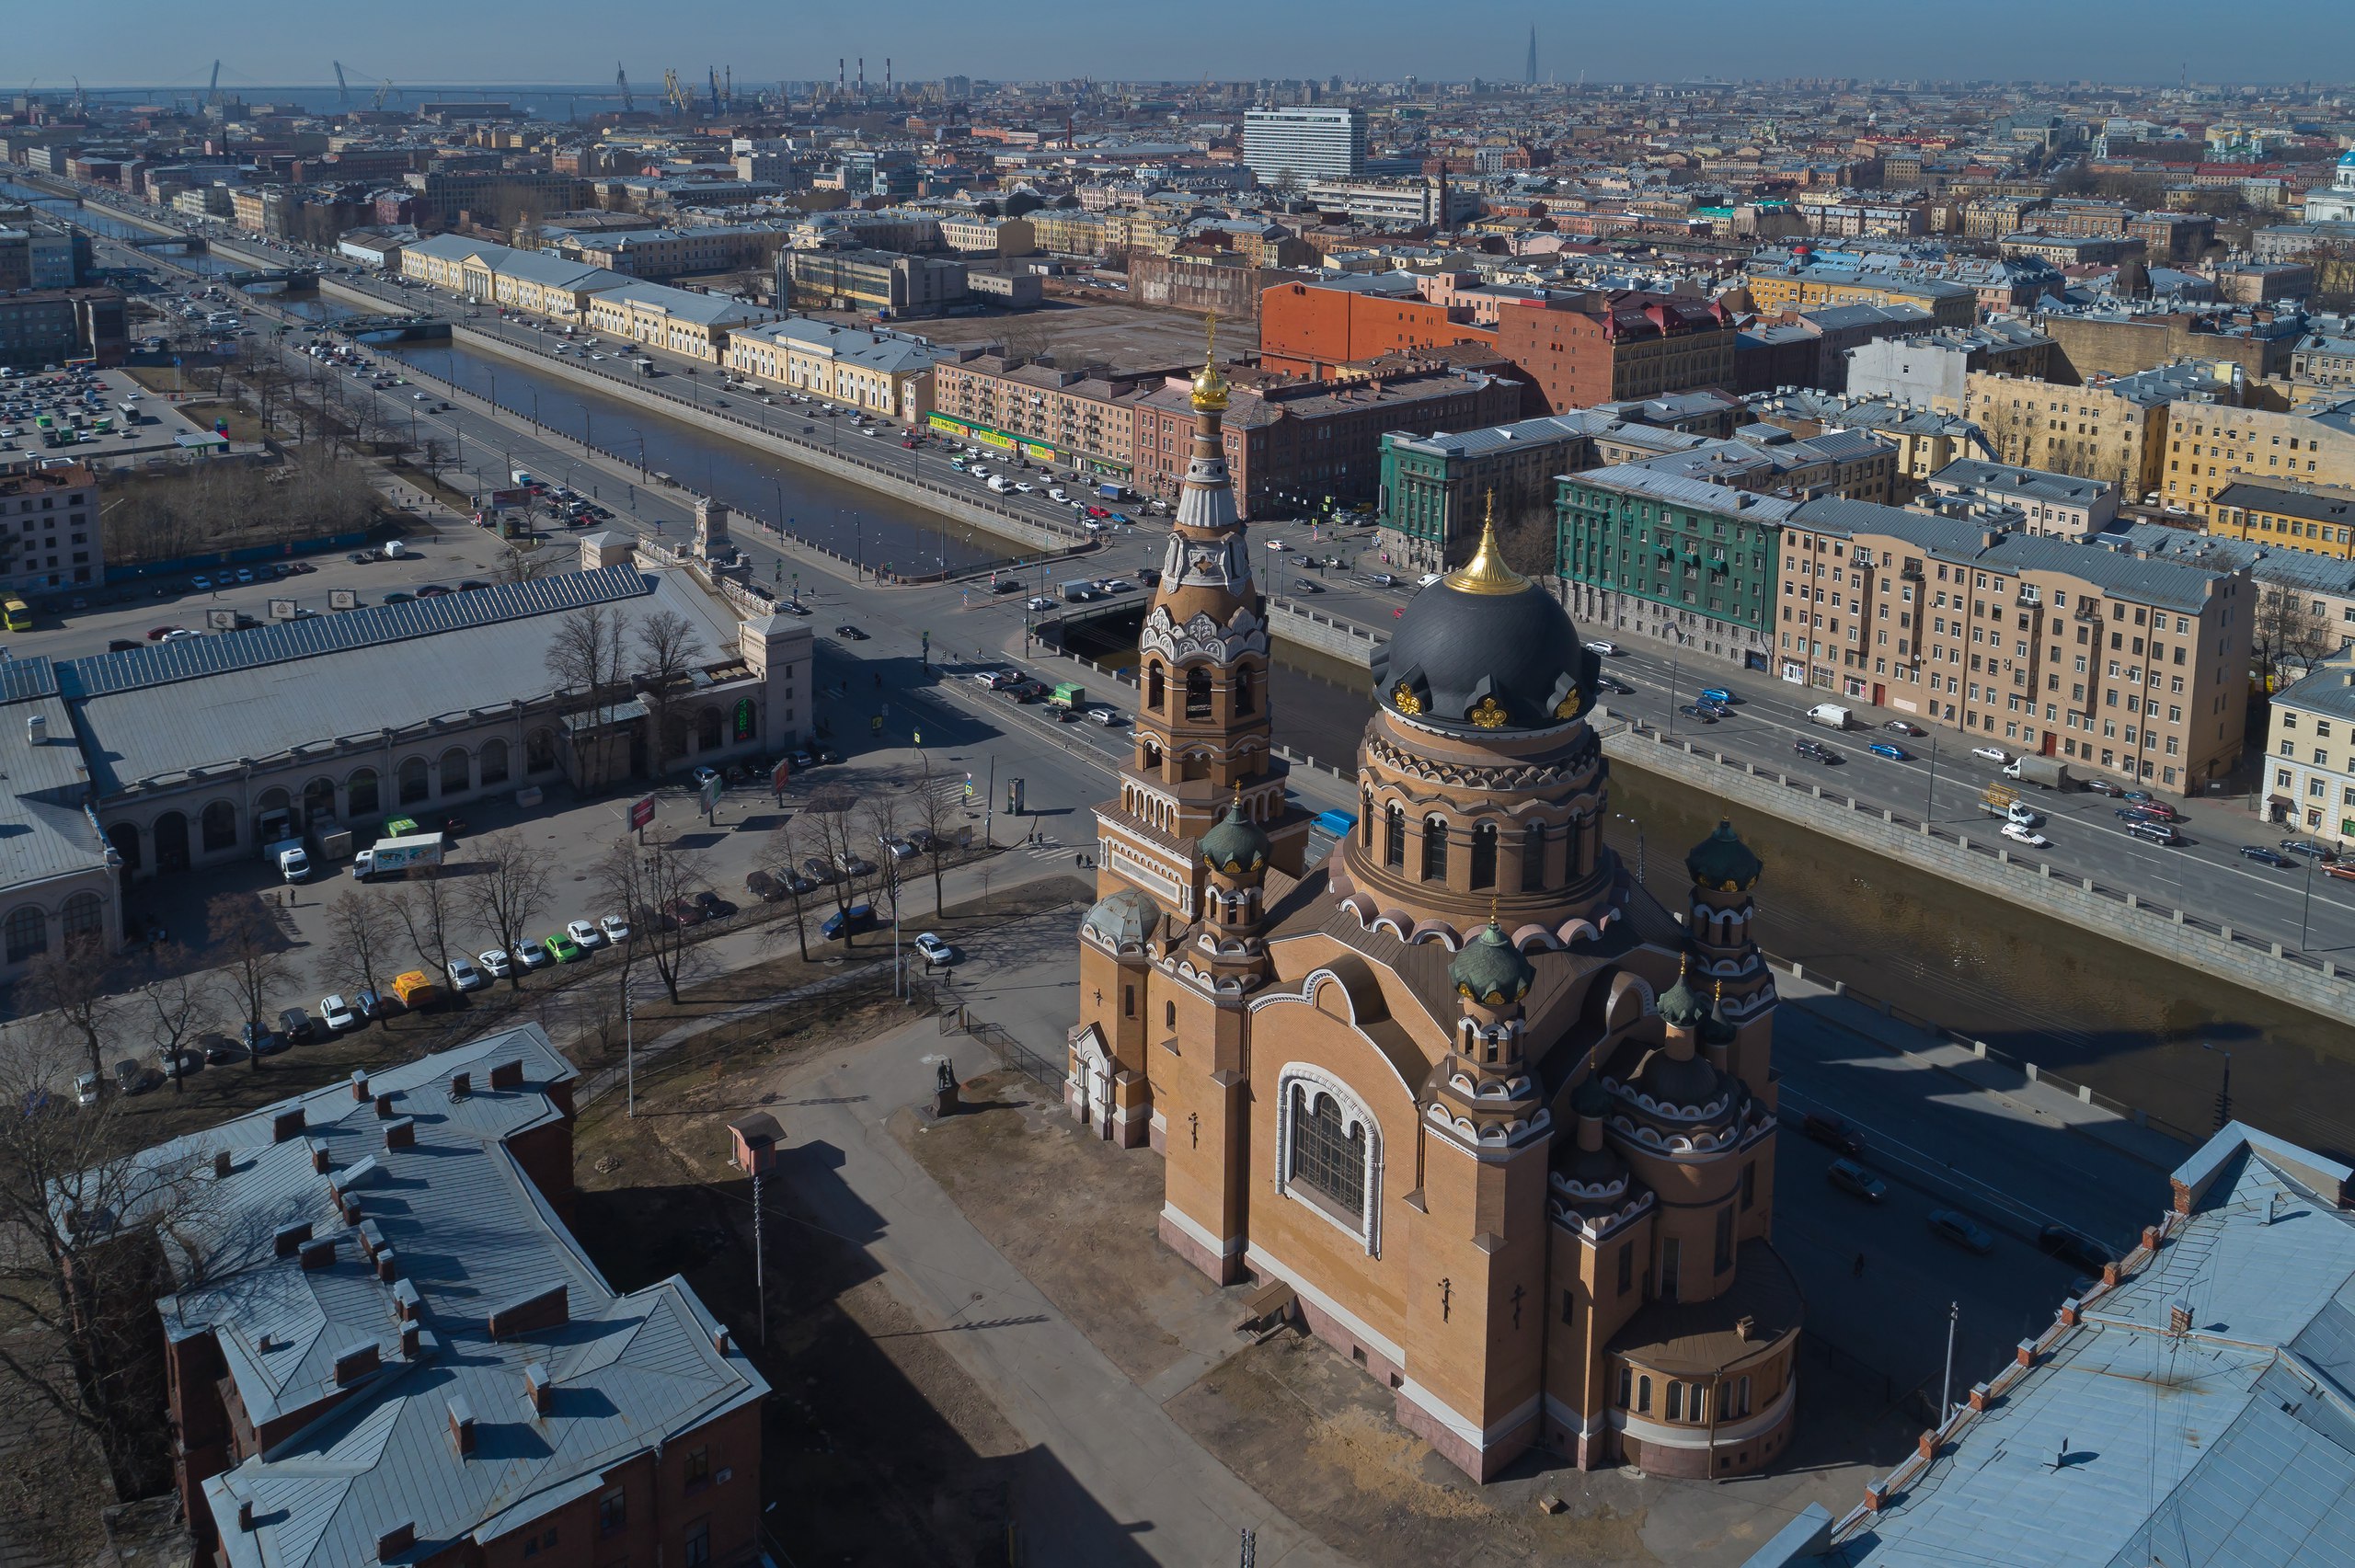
(473, 1233)
(2228, 1445)
(2006, 479)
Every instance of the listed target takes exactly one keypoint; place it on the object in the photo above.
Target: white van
(997, 483)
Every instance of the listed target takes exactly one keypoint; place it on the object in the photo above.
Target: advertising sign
(641, 812)
(343, 599)
(282, 610)
(778, 777)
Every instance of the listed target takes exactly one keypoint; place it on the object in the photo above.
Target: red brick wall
(1562, 352)
(1306, 331)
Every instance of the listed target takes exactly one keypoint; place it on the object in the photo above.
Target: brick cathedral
(1501, 1123)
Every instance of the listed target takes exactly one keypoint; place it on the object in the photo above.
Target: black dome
(1484, 649)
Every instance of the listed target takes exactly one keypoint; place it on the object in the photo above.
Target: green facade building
(1683, 560)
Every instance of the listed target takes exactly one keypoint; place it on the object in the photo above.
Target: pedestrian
(1859, 1270)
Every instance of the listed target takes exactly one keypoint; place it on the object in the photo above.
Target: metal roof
(186, 659)
(2172, 584)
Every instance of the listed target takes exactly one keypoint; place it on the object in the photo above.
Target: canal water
(2132, 1026)
(865, 525)
(96, 222)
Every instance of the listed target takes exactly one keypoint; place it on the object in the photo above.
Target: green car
(563, 949)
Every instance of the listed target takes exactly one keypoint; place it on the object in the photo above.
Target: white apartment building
(2309, 753)
(1306, 144)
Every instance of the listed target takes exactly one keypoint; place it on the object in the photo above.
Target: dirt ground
(1124, 336)
(878, 1447)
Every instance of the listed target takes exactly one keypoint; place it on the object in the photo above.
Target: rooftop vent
(507, 1075)
(461, 1085)
(461, 1425)
(223, 1163)
(538, 1388)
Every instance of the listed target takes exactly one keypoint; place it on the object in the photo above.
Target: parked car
(1899, 726)
(2073, 1248)
(336, 1013)
(934, 950)
(615, 928)
(2264, 856)
(586, 935)
(849, 922)
(563, 949)
(1854, 1180)
(530, 954)
(2309, 848)
(1948, 1225)
(1833, 1133)
(464, 976)
(2104, 786)
(496, 963)
(296, 1025)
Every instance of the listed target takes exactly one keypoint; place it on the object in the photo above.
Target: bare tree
(509, 892)
(785, 845)
(938, 823)
(85, 1266)
(521, 566)
(74, 986)
(879, 828)
(650, 882)
(253, 956)
(2290, 635)
(176, 1010)
(585, 654)
(620, 882)
(426, 907)
(665, 647)
(829, 813)
(363, 926)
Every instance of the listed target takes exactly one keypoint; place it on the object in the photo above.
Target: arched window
(1242, 690)
(539, 752)
(1365, 819)
(1393, 838)
(1532, 857)
(171, 842)
(360, 794)
(1675, 1411)
(1326, 1150)
(1434, 848)
(1644, 1394)
(220, 826)
(1169, 1015)
(84, 920)
(416, 782)
(457, 772)
(1156, 691)
(1483, 855)
(125, 837)
(707, 729)
(1738, 1404)
(494, 762)
(318, 802)
(27, 932)
(1198, 693)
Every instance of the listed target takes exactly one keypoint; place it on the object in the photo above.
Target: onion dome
(1491, 970)
(1123, 920)
(1678, 1081)
(1590, 1099)
(1680, 1006)
(1484, 649)
(1235, 845)
(1722, 862)
(1717, 1029)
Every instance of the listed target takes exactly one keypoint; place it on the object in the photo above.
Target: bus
(16, 613)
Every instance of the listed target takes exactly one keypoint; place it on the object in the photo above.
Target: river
(2133, 1026)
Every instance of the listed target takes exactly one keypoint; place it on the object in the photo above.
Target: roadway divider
(2216, 949)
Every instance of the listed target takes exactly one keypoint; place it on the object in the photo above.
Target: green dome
(1235, 844)
(1681, 1006)
(1590, 1099)
(1491, 970)
(1722, 862)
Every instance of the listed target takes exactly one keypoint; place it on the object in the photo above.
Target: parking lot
(103, 417)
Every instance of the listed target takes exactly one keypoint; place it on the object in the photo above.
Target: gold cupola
(1209, 382)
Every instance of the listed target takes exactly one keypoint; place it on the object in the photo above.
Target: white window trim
(1319, 1082)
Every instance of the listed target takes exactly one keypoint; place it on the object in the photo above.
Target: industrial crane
(711, 76)
(676, 93)
(213, 91)
(621, 80)
(384, 91)
(343, 87)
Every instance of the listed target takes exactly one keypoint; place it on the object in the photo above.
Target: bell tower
(1201, 734)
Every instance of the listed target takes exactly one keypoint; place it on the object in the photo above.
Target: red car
(157, 634)
(1097, 512)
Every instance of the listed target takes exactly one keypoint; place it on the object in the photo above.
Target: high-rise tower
(1201, 734)
(1529, 72)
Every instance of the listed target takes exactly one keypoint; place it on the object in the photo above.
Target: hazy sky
(267, 42)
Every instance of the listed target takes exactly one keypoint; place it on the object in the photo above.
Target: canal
(108, 227)
(867, 526)
(2131, 1025)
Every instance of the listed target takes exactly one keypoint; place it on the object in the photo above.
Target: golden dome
(1486, 572)
(1209, 382)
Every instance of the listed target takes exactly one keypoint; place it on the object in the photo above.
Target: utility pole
(1946, 1390)
(629, 1045)
(760, 1261)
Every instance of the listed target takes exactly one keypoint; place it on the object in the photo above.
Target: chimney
(461, 1425)
(320, 1253)
(388, 1265)
(394, 1540)
(289, 1239)
(37, 729)
(320, 1163)
(222, 1162)
(245, 1515)
(354, 1362)
(286, 1125)
(400, 1133)
(461, 1085)
(507, 1075)
(408, 1303)
(359, 1084)
(719, 1339)
(537, 1389)
(385, 1106)
(2179, 1319)
(408, 1341)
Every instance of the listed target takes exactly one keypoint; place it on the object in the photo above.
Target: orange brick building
(1312, 328)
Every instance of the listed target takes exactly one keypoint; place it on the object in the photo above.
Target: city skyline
(158, 46)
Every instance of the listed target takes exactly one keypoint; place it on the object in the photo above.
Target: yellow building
(2211, 448)
(989, 237)
(2318, 519)
(677, 320)
(2114, 428)
(879, 373)
(1778, 289)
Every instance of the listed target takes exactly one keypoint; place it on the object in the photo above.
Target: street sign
(711, 794)
(641, 812)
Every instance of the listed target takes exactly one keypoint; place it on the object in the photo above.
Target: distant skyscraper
(1529, 72)
(1307, 143)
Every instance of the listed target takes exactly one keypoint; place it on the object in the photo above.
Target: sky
(172, 43)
